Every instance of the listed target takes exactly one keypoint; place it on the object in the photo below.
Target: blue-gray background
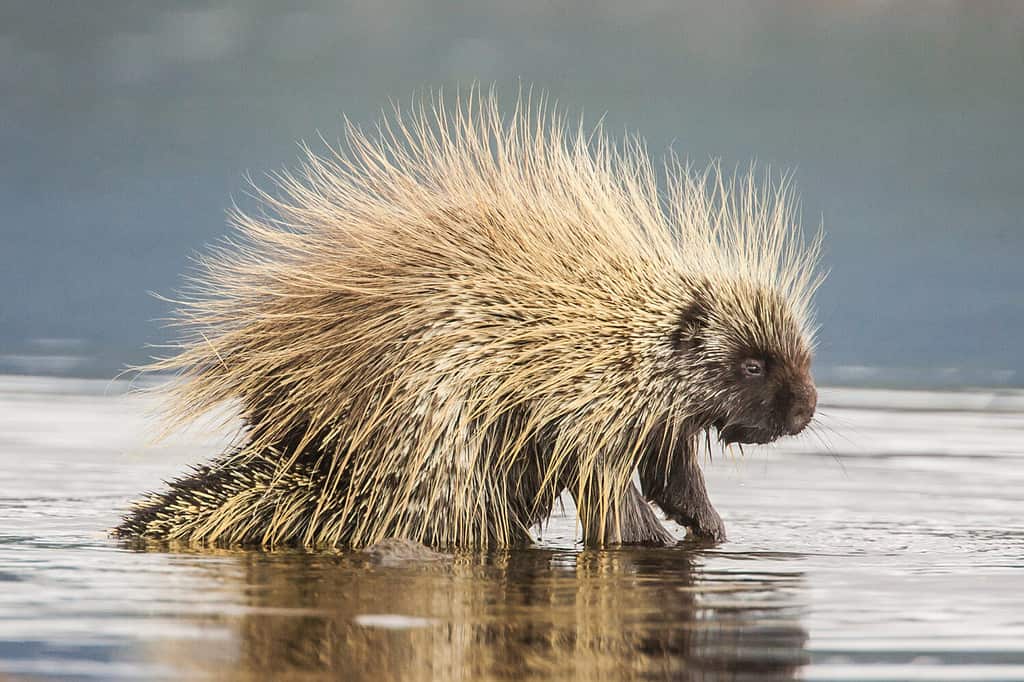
(126, 127)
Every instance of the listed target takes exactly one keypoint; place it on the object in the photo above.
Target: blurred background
(126, 128)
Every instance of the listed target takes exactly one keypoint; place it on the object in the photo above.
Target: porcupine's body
(438, 332)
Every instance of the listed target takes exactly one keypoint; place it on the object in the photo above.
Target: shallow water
(893, 550)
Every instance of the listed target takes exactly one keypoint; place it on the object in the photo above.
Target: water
(126, 130)
(897, 552)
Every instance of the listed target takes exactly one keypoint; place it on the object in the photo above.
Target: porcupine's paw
(639, 523)
(646, 531)
(703, 523)
(661, 537)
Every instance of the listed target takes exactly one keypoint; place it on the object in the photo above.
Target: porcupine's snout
(805, 401)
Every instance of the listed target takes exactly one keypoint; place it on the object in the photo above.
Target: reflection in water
(534, 613)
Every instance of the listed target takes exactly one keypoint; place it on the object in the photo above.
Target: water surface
(889, 546)
(126, 130)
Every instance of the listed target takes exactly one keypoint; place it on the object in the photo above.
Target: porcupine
(433, 331)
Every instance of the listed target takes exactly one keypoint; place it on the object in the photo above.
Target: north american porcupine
(432, 334)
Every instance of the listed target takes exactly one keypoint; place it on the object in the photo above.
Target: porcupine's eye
(752, 368)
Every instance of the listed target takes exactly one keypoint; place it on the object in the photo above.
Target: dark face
(752, 367)
(767, 397)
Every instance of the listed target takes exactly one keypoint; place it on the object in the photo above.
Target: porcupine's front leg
(680, 492)
(637, 523)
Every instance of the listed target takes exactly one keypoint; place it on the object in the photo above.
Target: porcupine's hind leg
(678, 488)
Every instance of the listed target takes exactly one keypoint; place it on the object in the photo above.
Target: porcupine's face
(748, 359)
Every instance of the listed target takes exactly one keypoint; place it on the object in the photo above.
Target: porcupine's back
(431, 332)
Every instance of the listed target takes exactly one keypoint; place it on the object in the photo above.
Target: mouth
(744, 435)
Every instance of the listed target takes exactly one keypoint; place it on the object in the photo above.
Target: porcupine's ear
(691, 323)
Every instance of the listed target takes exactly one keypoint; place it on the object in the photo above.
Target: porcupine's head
(752, 361)
(743, 340)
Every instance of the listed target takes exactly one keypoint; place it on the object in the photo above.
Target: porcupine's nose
(803, 410)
